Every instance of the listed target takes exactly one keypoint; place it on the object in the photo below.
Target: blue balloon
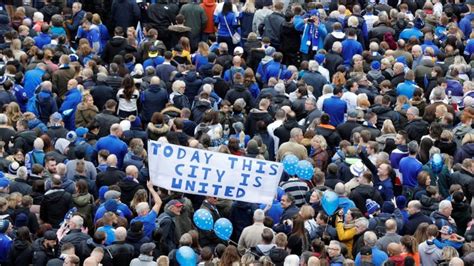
(290, 163)
(203, 219)
(304, 170)
(223, 229)
(186, 256)
(330, 202)
(437, 163)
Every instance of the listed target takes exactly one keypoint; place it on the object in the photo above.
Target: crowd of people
(377, 95)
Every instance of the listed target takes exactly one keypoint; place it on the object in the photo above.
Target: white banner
(208, 173)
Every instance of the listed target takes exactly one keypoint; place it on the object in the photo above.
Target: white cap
(238, 50)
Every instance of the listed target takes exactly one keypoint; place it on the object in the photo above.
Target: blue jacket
(104, 35)
(43, 105)
(72, 98)
(5, 245)
(406, 34)
(42, 39)
(93, 36)
(115, 146)
(350, 47)
(21, 97)
(36, 123)
(465, 24)
(410, 168)
(34, 157)
(406, 88)
(427, 44)
(345, 203)
(275, 70)
(154, 62)
(469, 50)
(378, 257)
(306, 37)
(223, 31)
(229, 73)
(76, 22)
(32, 80)
(336, 109)
(153, 99)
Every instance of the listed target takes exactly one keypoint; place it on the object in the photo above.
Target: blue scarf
(314, 34)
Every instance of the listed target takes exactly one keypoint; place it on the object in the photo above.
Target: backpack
(164, 216)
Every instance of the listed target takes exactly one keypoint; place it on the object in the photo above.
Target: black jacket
(113, 47)
(200, 107)
(41, 255)
(136, 240)
(56, 203)
(128, 188)
(283, 132)
(416, 129)
(111, 176)
(374, 132)
(154, 99)
(239, 91)
(362, 192)
(384, 113)
(101, 93)
(122, 254)
(253, 117)
(106, 119)
(333, 60)
(75, 237)
(21, 253)
(413, 221)
(20, 185)
(345, 129)
(24, 140)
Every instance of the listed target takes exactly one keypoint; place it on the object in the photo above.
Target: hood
(376, 74)
(437, 215)
(469, 148)
(54, 195)
(118, 42)
(278, 255)
(239, 87)
(158, 129)
(134, 237)
(128, 186)
(81, 200)
(83, 107)
(21, 244)
(430, 248)
(191, 76)
(209, 3)
(266, 60)
(44, 96)
(202, 104)
(427, 201)
(338, 35)
(290, 124)
(381, 109)
(427, 62)
(179, 28)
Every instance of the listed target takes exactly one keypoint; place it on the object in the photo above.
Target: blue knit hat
(401, 202)
(371, 206)
(375, 65)
(388, 207)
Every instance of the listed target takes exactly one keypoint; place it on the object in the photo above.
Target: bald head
(237, 60)
(71, 84)
(132, 171)
(391, 225)
(155, 80)
(112, 160)
(47, 85)
(120, 234)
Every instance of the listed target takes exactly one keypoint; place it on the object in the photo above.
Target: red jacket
(209, 6)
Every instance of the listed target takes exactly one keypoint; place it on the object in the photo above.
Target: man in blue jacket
(350, 47)
(68, 109)
(43, 38)
(33, 78)
(465, 23)
(335, 107)
(5, 240)
(113, 144)
(153, 99)
(77, 17)
(43, 104)
(92, 34)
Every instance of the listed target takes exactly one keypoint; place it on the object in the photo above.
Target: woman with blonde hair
(13, 113)
(86, 111)
(199, 58)
(388, 132)
(318, 152)
(104, 32)
(16, 49)
(246, 18)
(307, 214)
(250, 83)
(466, 150)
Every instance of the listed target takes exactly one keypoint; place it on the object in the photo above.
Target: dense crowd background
(377, 95)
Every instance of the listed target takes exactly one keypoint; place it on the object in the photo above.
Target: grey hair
(370, 238)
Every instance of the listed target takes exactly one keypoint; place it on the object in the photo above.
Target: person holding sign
(147, 216)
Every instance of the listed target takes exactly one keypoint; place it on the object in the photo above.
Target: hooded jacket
(153, 99)
(157, 131)
(128, 187)
(125, 19)
(383, 113)
(136, 239)
(56, 203)
(430, 254)
(21, 253)
(43, 105)
(85, 114)
(416, 129)
(41, 255)
(113, 47)
(239, 91)
(278, 255)
(465, 151)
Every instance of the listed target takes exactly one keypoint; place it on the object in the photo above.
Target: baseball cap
(238, 50)
(50, 235)
(153, 51)
(81, 131)
(146, 248)
(352, 113)
(175, 203)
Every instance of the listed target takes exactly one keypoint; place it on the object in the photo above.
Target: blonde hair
(468, 138)
(249, 6)
(203, 48)
(322, 141)
(307, 212)
(388, 127)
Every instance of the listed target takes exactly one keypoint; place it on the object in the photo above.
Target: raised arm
(156, 198)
